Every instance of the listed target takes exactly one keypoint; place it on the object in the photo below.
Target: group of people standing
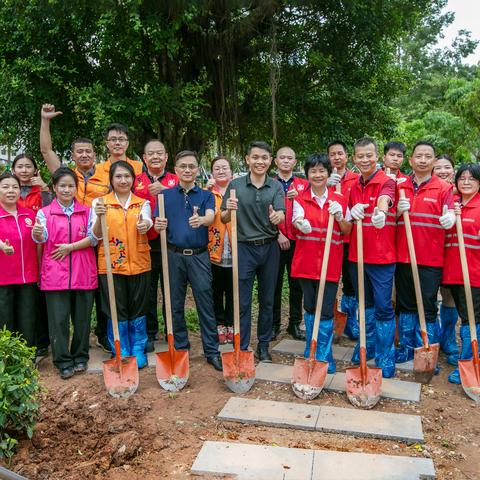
(55, 242)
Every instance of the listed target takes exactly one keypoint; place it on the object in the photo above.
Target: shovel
(309, 375)
(119, 374)
(424, 358)
(364, 384)
(469, 369)
(172, 366)
(238, 366)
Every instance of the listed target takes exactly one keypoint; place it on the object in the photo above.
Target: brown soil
(85, 434)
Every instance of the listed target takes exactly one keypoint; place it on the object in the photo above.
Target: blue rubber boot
(433, 333)
(349, 306)
(407, 323)
(124, 338)
(466, 353)
(371, 337)
(137, 329)
(385, 348)
(324, 341)
(308, 319)
(448, 336)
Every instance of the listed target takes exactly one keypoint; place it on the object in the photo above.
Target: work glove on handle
(335, 209)
(334, 178)
(304, 226)
(358, 211)
(403, 205)
(447, 220)
(378, 218)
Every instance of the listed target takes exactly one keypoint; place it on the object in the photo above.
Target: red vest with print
(33, 200)
(452, 269)
(425, 211)
(309, 248)
(348, 179)
(300, 185)
(378, 243)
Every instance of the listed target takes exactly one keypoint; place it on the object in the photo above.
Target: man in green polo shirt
(260, 205)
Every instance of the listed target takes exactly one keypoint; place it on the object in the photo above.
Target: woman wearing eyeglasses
(467, 181)
(128, 220)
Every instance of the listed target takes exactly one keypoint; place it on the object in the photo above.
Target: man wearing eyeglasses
(148, 185)
(260, 204)
(189, 210)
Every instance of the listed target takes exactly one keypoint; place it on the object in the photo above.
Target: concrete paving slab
(371, 423)
(253, 462)
(366, 466)
(267, 412)
(391, 388)
(261, 462)
(340, 353)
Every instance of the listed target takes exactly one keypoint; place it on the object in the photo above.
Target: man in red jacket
(372, 200)
(429, 201)
(292, 186)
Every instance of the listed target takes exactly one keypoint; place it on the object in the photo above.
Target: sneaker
(230, 334)
(80, 367)
(150, 346)
(222, 334)
(103, 343)
(67, 372)
(42, 351)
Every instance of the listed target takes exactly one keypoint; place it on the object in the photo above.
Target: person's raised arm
(51, 158)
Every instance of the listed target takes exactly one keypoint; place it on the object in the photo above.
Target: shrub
(19, 390)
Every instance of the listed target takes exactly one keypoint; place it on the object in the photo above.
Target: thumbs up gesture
(447, 220)
(274, 217)
(292, 193)
(38, 231)
(48, 111)
(378, 218)
(390, 174)
(142, 225)
(6, 247)
(334, 178)
(195, 220)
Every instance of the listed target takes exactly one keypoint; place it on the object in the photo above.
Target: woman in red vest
(311, 210)
(467, 181)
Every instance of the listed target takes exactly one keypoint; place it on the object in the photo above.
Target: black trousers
(43, 337)
(63, 305)
(196, 270)
(348, 288)
(295, 291)
(430, 278)
(222, 285)
(458, 293)
(310, 290)
(131, 292)
(18, 307)
(101, 327)
(155, 276)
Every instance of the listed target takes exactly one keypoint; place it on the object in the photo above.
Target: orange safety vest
(92, 188)
(129, 250)
(216, 231)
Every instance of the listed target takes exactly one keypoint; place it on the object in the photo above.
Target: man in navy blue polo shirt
(189, 211)
(260, 204)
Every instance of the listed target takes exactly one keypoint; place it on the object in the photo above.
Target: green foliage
(19, 390)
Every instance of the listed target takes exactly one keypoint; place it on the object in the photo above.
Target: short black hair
(120, 164)
(64, 172)
(24, 155)
(120, 127)
(363, 142)
(473, 168)
(259, 144)
(81, 140)
(337, 142)
(6, 175)
(423, 143)
(446, 157)
(187, 153)
(401, 147)
(317, 160)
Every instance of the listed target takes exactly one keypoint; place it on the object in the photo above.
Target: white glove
(334, 178)
(304, 226)
(378, 218)
(358, 212)
(447, 220)
(335, 209)
(403, 205)
(391, 175)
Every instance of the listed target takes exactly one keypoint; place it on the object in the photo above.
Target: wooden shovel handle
(361, 285)
(466, 279)
(236, 299)
(416, 277)
(166, 276)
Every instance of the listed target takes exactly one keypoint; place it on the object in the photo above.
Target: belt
(262, 241)
(186, 251)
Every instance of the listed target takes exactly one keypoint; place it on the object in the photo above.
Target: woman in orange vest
(219, 247)
(311, 210)
(128, 220)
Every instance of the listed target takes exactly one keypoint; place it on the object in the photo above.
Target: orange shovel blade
(424, 362)
(364, 392)
(121, 377)
(308, 377)
(238, 370)
(470, 377)
(172, 369)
